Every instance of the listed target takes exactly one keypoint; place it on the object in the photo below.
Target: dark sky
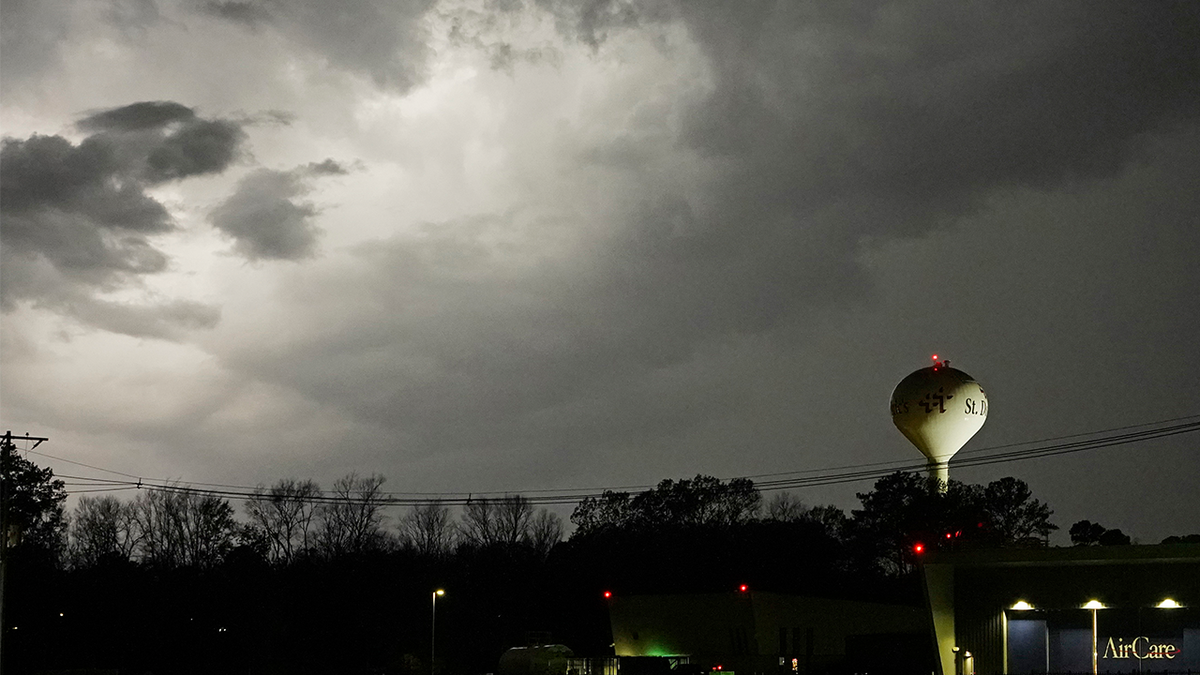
(527, 245)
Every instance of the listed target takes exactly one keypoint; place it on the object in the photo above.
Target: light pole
(433, 629)
(1094, 605)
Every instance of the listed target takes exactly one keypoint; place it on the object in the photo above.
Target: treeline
(302, 579)
(296, 520)
(289, 521)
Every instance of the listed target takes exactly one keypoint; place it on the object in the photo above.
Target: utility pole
(7, 448)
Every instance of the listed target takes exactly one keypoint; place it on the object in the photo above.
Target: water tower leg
(940, 471)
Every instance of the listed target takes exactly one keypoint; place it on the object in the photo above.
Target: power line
(989, 448)
(71, 461)
(1014, 455)
(802, 478)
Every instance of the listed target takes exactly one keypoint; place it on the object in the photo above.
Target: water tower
(939, 409)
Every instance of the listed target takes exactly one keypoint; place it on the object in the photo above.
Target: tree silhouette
(1013, 514)
(33, 506)
(351, 522)
(545, 532)
(103, 529)
(1087, 533)
(508, 521)
(906, 510)
(428, 531)
(700, 501)
(285, 514)
(179, 527)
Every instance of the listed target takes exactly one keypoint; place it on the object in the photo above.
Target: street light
(433, 629)
(1094, 605)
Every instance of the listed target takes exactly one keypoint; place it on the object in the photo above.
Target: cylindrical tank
(536, 660)
(939, 409)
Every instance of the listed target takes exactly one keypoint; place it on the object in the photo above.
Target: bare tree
(514, 514)
(509, 521)
(829, 517)
(487, 522)
(182, 527)
(477, 526)
(545, 531)
(102, 529)
(352, 522)
(285, 514)
(427, 530)
(785, 506)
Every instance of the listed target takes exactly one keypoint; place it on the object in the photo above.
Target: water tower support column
(940, 471)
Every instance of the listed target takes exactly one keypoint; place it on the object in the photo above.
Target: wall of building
(762, 632)
(1128, 580)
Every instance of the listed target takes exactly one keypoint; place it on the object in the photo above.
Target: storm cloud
(386, 41)
(265, 218)
(78, 220)
(600, 242)
(827, 128)
(734, 210)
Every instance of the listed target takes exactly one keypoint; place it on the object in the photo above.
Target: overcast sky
(540, 244)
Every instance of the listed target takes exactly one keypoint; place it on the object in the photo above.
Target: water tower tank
(939, 409)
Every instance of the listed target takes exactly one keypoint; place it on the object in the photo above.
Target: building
(1087, 609)
(750, 632)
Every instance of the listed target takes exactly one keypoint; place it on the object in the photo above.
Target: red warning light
(918, 548)
(743, 588)
(947, 535)
(935, 357)
(608, 594)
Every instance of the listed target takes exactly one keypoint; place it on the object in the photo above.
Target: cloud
(248, 13)
(669, 224)
(29, 37)
(825, 127)
(143, 116)
(165, 320)
(85, 184)
(383, 40)
(166, 141)
(264, 217)
(77, 219)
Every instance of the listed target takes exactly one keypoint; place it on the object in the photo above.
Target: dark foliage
(1087, 533)
(33, 507)
(905, 516)
(267, 596)
(700, 501)
(1184, 539)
